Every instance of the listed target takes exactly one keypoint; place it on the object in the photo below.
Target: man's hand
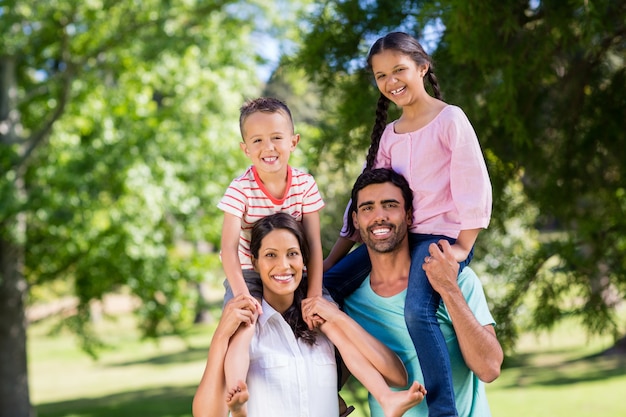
(441, 267)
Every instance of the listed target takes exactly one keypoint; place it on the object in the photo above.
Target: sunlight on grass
(560, 374)
(60, 371)
(556, 374)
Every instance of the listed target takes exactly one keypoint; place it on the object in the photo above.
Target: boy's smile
(268, 141)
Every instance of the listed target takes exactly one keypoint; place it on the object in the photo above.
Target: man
(381, 212)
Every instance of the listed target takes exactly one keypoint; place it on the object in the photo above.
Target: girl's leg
(420, 310)
(394, 403)
(348, 274)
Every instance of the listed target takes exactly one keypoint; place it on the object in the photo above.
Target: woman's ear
(254, 264)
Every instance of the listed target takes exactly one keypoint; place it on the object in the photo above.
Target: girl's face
(398, 77)
(280, 265)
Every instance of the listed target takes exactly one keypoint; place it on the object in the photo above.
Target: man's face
(380, 217)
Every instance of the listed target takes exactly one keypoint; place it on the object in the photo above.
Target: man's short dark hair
(378, 176)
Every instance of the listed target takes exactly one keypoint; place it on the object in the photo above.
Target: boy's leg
(237, 358)
(236, 400)
(348, 274)
(420, 310)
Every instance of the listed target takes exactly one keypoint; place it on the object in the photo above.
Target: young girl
(292, 368)
(434, 146)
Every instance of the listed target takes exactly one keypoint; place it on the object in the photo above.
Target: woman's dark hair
(378, 176)
(293, 315)
(407, 45)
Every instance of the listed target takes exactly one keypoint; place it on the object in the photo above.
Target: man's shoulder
(468, 279)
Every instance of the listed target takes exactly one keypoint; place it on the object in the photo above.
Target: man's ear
(409, 217)
(355, 222)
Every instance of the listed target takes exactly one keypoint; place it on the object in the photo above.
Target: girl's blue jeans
(419, 312)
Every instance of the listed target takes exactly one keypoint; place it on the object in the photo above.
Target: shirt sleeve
(312, 201)
(234, 200)
(469, 180)
(474, 294)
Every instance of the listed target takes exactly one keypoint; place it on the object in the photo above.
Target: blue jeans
(420, 315)
(348, 274)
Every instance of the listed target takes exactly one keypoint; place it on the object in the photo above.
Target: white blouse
(288, 377)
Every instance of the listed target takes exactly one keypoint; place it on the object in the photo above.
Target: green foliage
(126, 137)
(545, 87)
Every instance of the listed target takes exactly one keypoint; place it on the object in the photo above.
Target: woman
(292, 368)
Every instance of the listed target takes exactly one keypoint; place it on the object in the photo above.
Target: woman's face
(280, 265)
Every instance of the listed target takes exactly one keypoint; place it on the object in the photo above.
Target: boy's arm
(311, 223)
(230, 254)
(464, 244)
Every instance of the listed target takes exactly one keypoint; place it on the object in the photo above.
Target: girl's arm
(464, 244)
(340, 249)
(479, 345)
(210, 397)
(341, 329)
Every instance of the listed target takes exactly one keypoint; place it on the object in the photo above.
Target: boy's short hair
(264, 105)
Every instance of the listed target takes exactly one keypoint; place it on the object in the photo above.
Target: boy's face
(268, 141)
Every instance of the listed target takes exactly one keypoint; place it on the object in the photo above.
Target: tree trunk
(14, 395)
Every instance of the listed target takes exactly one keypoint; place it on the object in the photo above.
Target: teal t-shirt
(383, 317)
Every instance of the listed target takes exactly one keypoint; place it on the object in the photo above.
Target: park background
(119, 133)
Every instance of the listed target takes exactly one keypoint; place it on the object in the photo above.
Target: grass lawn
(561, 374)
(556, 374)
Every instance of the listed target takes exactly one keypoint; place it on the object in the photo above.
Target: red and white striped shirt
(248, 199)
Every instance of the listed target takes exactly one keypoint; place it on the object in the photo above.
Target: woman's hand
(320, 310)
(237, 311)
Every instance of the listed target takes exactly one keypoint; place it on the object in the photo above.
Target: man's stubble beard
(389, 245)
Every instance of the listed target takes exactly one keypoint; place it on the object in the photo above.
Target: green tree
(544, 86)
(118, 133)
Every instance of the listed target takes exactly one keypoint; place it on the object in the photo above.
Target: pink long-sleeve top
(445, 168)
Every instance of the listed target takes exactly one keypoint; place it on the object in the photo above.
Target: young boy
(268, 186)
